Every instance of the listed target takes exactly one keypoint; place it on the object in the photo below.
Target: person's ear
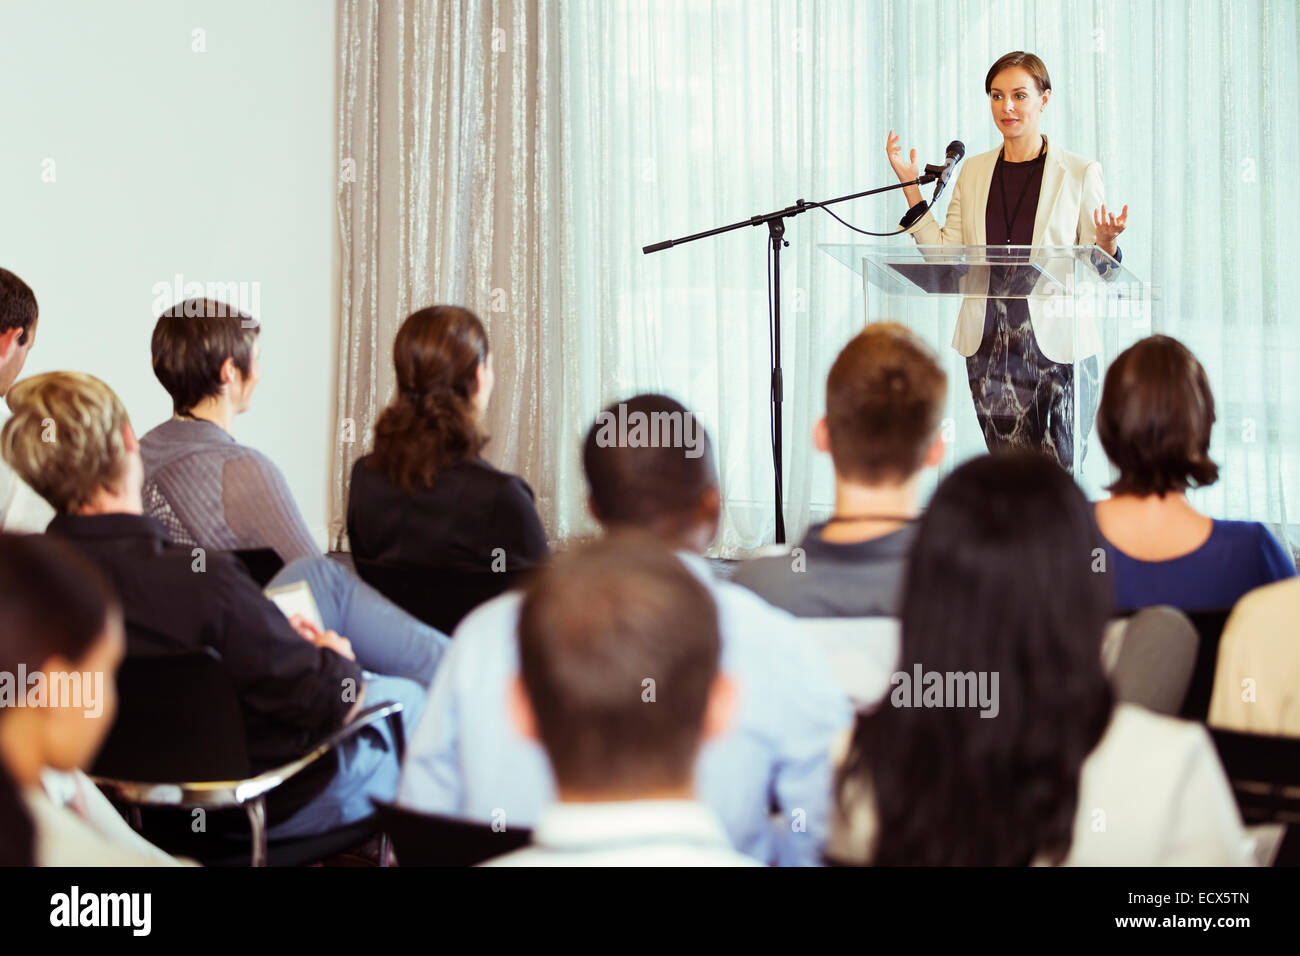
(8, 342)
(521, 710)
(934, 454)
(228, 372)
(720, 710)
(822, 436)
(129, 439)
(711, 505)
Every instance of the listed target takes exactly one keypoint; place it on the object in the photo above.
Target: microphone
(956, 150)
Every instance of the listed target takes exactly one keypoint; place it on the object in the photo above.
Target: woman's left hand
(1109, 226)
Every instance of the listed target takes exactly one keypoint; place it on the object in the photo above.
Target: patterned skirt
(1022, 398)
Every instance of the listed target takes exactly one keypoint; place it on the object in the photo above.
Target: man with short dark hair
(21, 509)
(598, 629)
(768, 778)
(884, 398)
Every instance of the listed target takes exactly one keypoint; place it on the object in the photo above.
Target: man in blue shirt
(768, 779)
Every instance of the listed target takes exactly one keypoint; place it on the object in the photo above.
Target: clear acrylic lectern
(1082, 307)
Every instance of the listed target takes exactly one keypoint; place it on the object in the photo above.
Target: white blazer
(1071, 191)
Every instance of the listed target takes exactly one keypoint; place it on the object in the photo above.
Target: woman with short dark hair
(1041, 765)
(424, 498)
(1154, 422)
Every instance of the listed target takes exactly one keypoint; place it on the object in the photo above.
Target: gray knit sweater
(208, 490)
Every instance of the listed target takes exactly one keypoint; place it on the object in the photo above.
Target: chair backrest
(862, 652)
(426, 839)
(1265, 774)
(440, 597)
(178, 719)
(1156, 657)
(1209, 629)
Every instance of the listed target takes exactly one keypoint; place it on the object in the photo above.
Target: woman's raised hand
(905, 169)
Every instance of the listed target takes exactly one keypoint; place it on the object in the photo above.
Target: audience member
(208, 490)
(884, 398)
(295, 683)
(598, 629)
(1257, 680)
(61, 642)
(466, 759)
(203, 486)
(1154, 423)
(21, 509)
(424, 497)
(1000, 743)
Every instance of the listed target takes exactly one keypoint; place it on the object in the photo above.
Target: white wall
(218, 165)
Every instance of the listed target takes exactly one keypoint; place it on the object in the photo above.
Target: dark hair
(1028, 61)
(595, 625)
(431, 424)
(52, 602)
(884, 399)
(999, 581)
(651, 484)
(17, 305)
(1155, 418)
(192, 340)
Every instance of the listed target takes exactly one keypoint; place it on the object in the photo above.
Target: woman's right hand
(905, 169)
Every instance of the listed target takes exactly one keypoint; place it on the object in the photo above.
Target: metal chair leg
(256, 810)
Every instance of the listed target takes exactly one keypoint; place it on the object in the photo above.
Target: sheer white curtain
(637, 121)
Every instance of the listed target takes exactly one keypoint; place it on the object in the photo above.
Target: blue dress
(1239, 556)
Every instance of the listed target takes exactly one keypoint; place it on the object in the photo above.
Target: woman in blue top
(1154, 423)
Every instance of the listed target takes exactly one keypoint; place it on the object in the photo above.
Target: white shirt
(466, 758)
(22, 511)
(92, 835)
(627, 833)
(1151, 793)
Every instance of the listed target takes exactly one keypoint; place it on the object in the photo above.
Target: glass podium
(1055, 317)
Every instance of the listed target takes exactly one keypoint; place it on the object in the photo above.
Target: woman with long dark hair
(1045, 767)
(424, 497)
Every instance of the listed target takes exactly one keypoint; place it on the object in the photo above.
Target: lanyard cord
(1010, 220)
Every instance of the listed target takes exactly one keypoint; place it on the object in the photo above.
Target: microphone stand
(775, 222)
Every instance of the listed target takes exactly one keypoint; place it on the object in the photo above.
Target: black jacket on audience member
(290, 691)
(471, 510)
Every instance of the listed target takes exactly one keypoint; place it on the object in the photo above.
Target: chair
(862, 652)
(439, 597)
(1209, 628)
(1151, 657)
(179, 743)
(425, 839)
(1265, 776)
